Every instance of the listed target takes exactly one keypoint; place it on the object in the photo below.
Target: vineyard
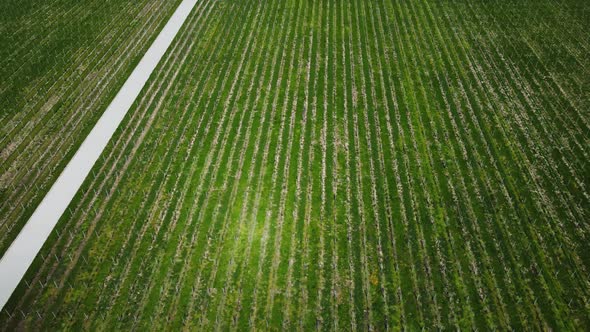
(303, 165)
(61, 62)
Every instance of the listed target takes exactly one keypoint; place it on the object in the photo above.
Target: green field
(339, 165)
(61, 63)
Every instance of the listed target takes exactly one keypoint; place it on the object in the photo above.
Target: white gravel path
(25, 247)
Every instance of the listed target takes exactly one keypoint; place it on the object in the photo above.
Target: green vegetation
(339, 165)
(61, 63)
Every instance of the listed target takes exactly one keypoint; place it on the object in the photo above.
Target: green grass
(341, 166)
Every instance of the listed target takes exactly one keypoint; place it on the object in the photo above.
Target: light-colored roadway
(22, 252)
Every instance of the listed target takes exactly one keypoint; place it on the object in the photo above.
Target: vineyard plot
(357, 165)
